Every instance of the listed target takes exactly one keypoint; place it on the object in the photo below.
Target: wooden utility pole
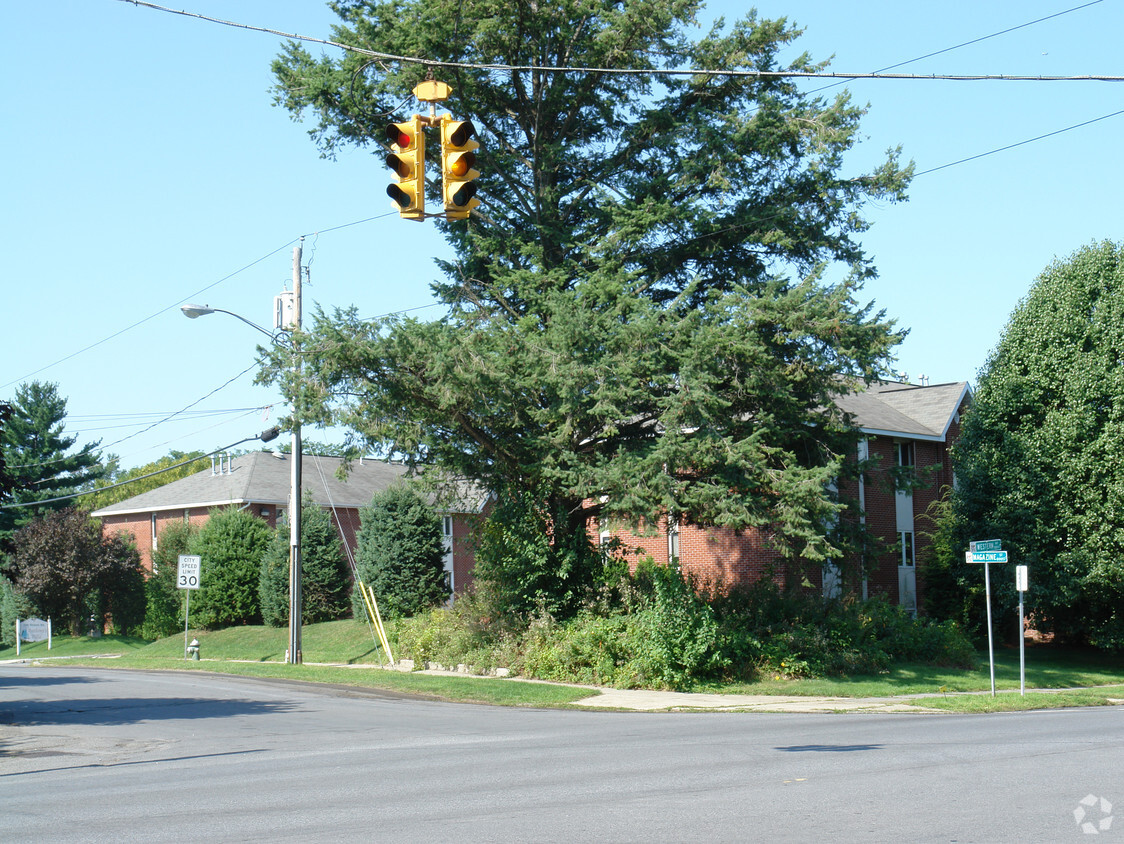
(293, 655)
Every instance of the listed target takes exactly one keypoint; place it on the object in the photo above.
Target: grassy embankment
(342, 653)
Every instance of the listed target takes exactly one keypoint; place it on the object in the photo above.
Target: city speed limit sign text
(187, 577)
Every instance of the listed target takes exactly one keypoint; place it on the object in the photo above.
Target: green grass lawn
(344, 653)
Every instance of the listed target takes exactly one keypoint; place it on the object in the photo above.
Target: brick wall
(722, 558)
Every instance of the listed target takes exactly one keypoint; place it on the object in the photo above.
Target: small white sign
(34, 630)
(1020, 578)
(187, 576)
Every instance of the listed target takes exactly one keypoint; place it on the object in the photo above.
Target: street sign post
(987, 551)
(1021, 582)
(188, 576)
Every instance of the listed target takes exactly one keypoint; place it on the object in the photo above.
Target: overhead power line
(264, 436)
(617, 71)
(1019, 143)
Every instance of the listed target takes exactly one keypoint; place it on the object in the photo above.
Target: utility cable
(616, 71)
(1019, 144)
(264, 436)
(149, 317)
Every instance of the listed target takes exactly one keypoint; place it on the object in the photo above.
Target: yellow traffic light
(458, 157)
(407, 160)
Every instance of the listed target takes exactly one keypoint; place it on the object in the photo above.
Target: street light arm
(196, 311)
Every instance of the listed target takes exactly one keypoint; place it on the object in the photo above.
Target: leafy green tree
(400, 554)
(37, 456)
(163, 600)
(231, 545)
(65, 566)
(1040, 460)
(325, 581)
(639, 313)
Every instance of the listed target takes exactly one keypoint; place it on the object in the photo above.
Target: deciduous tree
(70, 571)
(1040, 460)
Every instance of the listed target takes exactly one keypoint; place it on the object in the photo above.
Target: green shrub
(467, 633)
(400, 554)
(325, 581)
(164, 603)
(802, 635)
(231, 545)
(661, 632)
(519, 558)
(13, 605)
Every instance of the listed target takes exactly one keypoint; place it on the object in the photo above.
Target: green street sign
(986, 557)
(986, 545)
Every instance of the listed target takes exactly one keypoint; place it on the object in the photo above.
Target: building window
(906, 456)
(152, 518)
(447, 526)
(907, 556)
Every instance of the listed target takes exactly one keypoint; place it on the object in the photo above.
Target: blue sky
(145, 166)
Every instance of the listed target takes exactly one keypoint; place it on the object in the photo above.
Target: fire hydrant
(193, 649)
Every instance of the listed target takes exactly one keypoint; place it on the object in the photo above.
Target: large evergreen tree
(1040, 460)
(38, 457)
(638, 317)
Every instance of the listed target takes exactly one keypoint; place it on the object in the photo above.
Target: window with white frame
(907, 552)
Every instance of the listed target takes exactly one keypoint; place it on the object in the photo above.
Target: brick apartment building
(260, 482)
(902, 424)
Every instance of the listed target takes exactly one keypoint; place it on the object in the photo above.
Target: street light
(196, 311)
(293, 654)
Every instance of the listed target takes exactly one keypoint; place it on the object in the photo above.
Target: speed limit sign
(187, 577)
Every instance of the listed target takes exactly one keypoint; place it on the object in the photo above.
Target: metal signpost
(987, 551)
(1020, 585)
(187, 577)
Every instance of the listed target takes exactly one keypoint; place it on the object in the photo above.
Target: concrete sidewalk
(648, 700)
(655, 701)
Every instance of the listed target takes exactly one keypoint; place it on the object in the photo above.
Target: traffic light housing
(407, 160)
(458, 157)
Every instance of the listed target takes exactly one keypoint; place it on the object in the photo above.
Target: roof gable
(908, 410)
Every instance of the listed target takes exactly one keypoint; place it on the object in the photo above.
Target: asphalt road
(119, 756)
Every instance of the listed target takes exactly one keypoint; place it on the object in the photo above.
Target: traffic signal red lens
(396, 136)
